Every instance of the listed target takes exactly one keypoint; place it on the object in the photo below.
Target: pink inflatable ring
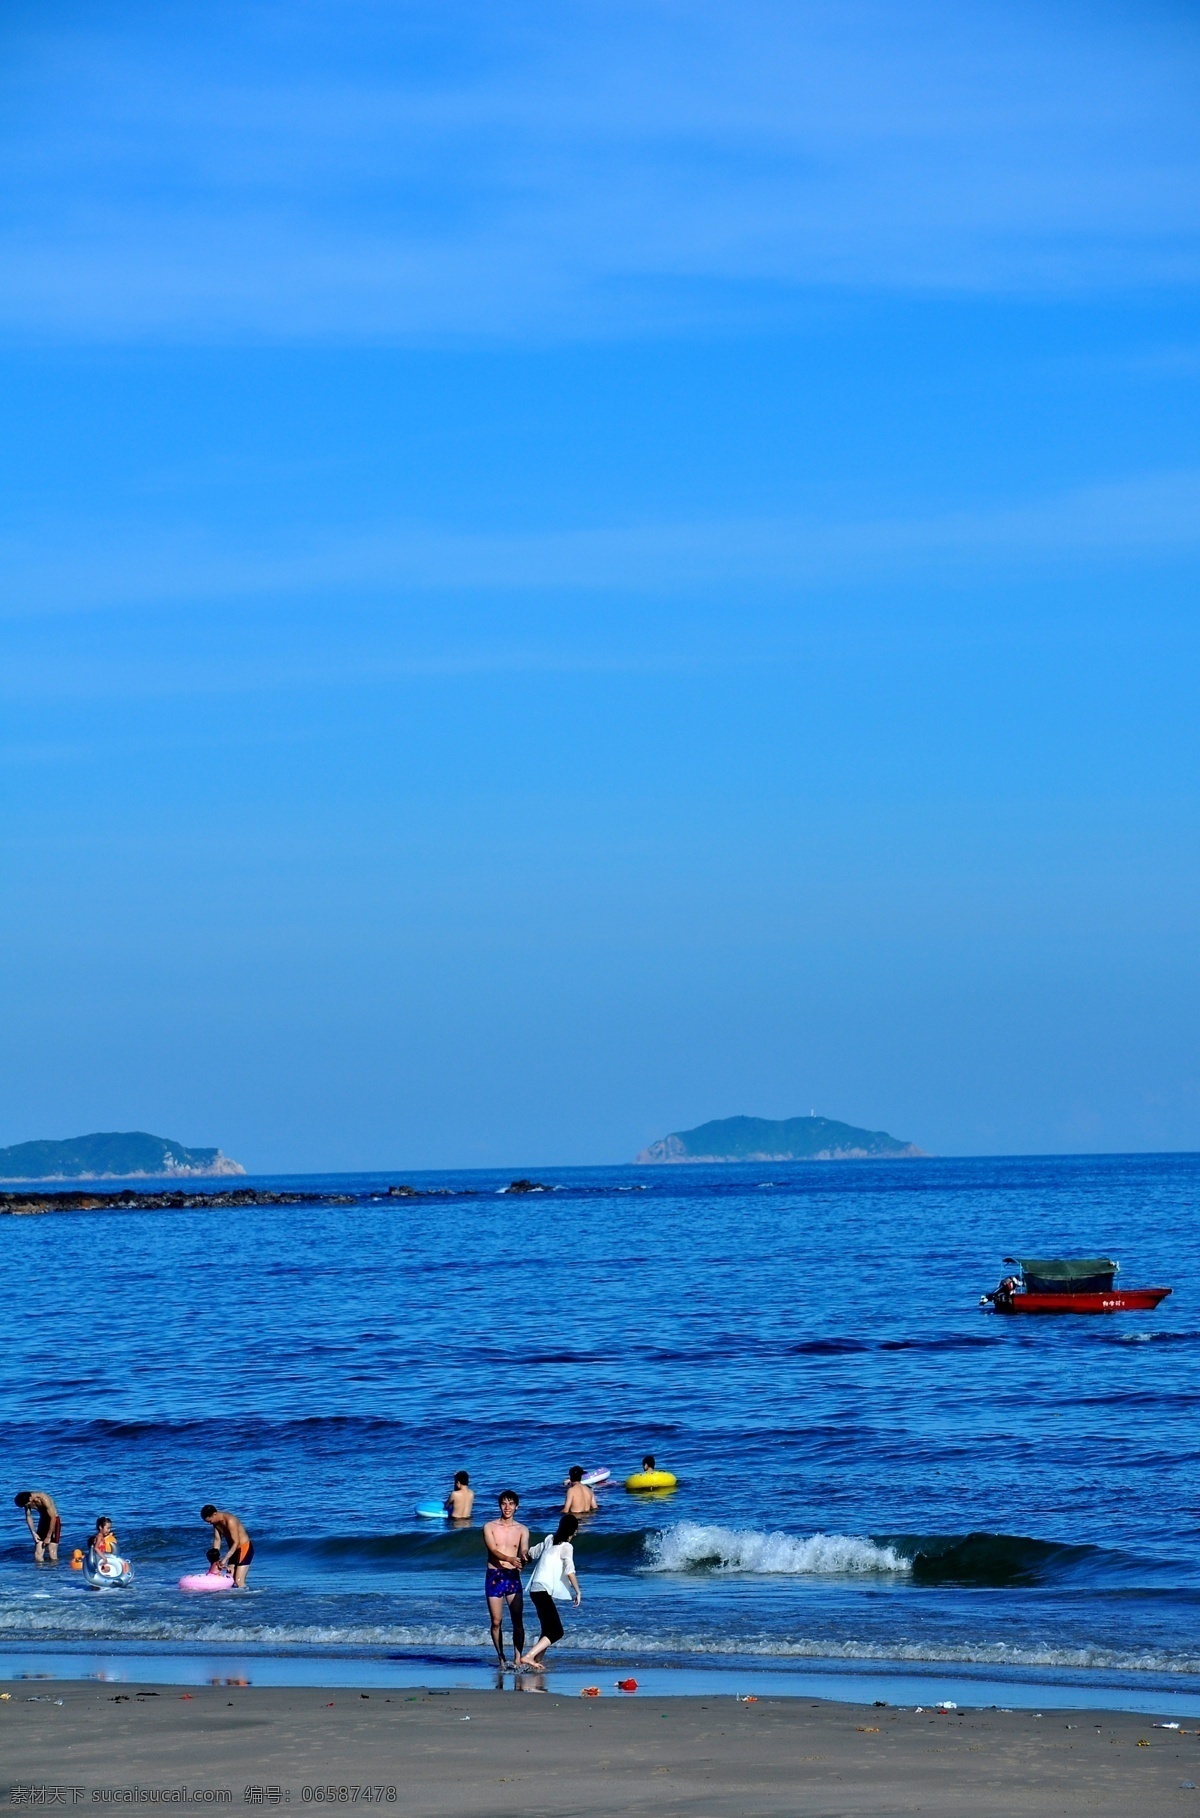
(206, 1581)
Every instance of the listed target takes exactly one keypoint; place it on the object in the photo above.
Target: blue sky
(569, 570)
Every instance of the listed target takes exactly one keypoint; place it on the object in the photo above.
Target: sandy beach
(479, 1752)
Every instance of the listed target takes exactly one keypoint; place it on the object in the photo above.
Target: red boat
(1069, 1284)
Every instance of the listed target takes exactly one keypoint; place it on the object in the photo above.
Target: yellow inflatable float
(651, 1480)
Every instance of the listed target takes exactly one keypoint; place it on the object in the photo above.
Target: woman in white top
(553, 1570)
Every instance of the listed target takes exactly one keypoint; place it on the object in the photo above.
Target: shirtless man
(507, 1544)
(228, 1528)
(461, 1499)
(43, 1520)
(579, 1499)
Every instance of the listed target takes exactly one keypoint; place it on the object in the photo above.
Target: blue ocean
(871, 1469)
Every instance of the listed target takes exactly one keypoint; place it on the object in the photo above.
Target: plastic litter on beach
(750, 1698)
(626, 1685)
(590, 1691)
(945, 1704)
(1164, 1726)
(1189, 1786)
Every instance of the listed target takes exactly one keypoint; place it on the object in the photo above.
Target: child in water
(215, 1570)
(104, 1540)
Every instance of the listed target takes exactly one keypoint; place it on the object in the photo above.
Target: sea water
(874, 1474)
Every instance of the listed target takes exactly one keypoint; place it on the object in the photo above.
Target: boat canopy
(1068, 1274)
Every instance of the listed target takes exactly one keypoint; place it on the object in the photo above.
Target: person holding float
(554, 1570)
(461, 1500)
(580, 1498)
(240, 1548)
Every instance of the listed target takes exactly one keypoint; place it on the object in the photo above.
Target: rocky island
(126, 1155)
(765, 1139)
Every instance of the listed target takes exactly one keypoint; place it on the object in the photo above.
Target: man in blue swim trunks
(507, 1544)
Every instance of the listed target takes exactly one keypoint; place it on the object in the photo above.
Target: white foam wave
(621, 1643)
(986, 1653)
(691, 1544)
(1081, 1656)
(68, 1625)
(83, 1621)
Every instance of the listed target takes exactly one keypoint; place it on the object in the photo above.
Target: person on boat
(507, 1543)
(240, 1548)
(461, 1499)
(43, 1521)
(554, 1569)
(579, 1499)
(104, 1540)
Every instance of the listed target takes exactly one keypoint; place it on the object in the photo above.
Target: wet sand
(483, 1752)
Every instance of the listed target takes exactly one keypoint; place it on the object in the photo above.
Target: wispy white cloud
(346, 167)
(1128, 519)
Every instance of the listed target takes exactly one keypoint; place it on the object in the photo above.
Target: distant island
(765, 1139)
(128, 1155)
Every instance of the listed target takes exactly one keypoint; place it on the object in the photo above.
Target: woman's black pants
(548, 1616)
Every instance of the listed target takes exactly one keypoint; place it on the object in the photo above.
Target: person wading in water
(553, 1571)
(579, 1499)
(507, 1544)
(228, 1528)
(47, 1528)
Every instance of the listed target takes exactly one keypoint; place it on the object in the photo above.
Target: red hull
(1117, 1300)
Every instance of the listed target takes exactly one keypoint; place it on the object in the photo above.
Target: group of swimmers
(506, 1543)
(231, 1552)
(508, 1552)
(505, 1539)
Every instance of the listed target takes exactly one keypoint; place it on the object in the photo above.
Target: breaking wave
(691, 1547)
(928, 1559)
